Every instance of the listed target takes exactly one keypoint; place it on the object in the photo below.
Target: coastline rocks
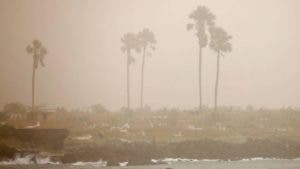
(114, 152)
(7, 152)
(51, 140)
(141, 153)
(24, 141)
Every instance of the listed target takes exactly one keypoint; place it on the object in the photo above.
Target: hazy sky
(85, 64)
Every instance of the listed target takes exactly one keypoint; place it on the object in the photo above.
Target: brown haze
(85, 65)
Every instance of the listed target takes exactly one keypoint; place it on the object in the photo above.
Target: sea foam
(28, 159)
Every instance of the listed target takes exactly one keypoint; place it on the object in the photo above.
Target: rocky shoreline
(48, 140)
(49, 143)
(141, 153)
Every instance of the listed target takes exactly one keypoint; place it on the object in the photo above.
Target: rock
(142, 153)
(7, 152)
(34, 139)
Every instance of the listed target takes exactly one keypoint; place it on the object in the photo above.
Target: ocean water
(173, 164)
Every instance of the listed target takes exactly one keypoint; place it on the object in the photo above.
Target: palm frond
(38, 52)
(29, 49)
(130, 42)
(42, 60)
(189, 26)
(152, 47)
(220, 40)
(36, 43)
(146, 37)
(203, 15)
(131, 59)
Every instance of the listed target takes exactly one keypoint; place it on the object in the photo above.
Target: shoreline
(46, 161)
(115, 153)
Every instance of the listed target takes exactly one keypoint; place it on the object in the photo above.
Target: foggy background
(86, 66)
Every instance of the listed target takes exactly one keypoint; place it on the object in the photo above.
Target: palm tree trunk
(33, 88)
(217, 83)
(200, 77)
(142, 79)
(128, 80)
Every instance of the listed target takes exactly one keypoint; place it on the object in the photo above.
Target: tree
(98, 108)
(14, 108)
(220, 44)
(38, 52)
(146, 41)
(130, 42)
(202, 18)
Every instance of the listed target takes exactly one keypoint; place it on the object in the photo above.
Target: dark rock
(141, 153)
(7, 152)
(35, 139)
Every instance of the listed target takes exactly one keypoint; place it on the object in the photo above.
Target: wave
(28, 159)
(261, 159)
(99, 163)
(174, 160)
(123, 164)
(37, 159)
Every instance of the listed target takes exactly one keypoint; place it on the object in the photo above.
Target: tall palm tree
(38, 52)
(220, 44)
(130, 42)
(147, 41)
(202, 18)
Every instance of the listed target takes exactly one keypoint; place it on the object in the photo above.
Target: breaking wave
(175, 160)
(28, 159)
(99, 163)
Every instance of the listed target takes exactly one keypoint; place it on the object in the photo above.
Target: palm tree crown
(130, 42)
(202, 18)
(220, 40)
(146, 39)
(38, 51)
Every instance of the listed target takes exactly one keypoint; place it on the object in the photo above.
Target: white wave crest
(28, 159)
(259, 159)
(85, 137)
(99, 163)
(123, 164)
(172, 160)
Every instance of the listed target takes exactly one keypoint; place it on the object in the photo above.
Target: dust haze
(154, 83)
(85, 65)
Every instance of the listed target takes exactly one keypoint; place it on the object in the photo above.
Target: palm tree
(147, 41)
(38, 52)
(130, 42)
(202, 18)
(220, 44)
